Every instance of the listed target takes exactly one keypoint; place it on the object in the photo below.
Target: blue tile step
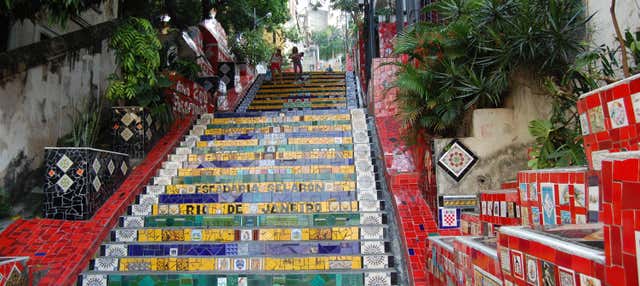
(272, 149)
(279, 114)
(262, 178)
(242, 249)
(268, 162)
(262, 136)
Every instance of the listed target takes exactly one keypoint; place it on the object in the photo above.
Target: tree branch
(625, 59)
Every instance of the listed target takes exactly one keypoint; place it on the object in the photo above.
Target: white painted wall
(601, 28)
(36, 106)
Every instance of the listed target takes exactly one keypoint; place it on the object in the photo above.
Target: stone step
(245, 220)
(317, 97)
(244, 249)
(200, 263)
(306, 148)
(253, 178)
(308, 115)
(378, 277)
(315, 94)
(294, 170)
(276, 135)
(279, 117)
(259, 197)
(277, 156)
(177, 234)
(257, 208)
(301, 106)
(261, 187)
(266, 162)
(279, 127)
(275, 141)
(270, 129)
(302, 89)
(313, 84)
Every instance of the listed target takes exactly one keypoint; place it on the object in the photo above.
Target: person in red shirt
(276, 64)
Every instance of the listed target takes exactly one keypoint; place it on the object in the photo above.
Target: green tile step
(246, 220)
(277, 263)
(196, 279)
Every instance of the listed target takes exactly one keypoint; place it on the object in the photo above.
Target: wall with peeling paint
(500, 138)
(36, 107)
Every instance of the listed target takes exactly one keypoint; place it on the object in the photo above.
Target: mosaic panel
(77, 181)
(133, 130)
(457, 160)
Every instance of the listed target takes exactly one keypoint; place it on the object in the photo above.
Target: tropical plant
(559, 139)
(85, 125)
(330, 42)
(466, 61)
(252, 48)
(137, 51)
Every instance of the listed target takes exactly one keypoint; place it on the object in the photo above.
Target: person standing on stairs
(296, 59)
(276, 65)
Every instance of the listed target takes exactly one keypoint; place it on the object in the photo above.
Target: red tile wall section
(405, 174)
(574, 191)
(470, 224)
(620, 213)
(470, 257)
(63, 248)
(610, 118)
(538, 252)
(505, 202)
(386, 35)
(442, 266)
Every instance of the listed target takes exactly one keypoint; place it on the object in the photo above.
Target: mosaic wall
(134, 130)
(558, 196)
(79, 180)
(14, 271)
(609, 117)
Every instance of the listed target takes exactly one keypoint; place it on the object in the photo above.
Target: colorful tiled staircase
(282, 195)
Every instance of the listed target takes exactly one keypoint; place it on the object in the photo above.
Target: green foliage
(559, 139)
(330, 41)
(466, 63)
(349, 6)
(292, 34)
(188, 69)
(236, 16)
(136, 46)
(252, 48)
(86, 124)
